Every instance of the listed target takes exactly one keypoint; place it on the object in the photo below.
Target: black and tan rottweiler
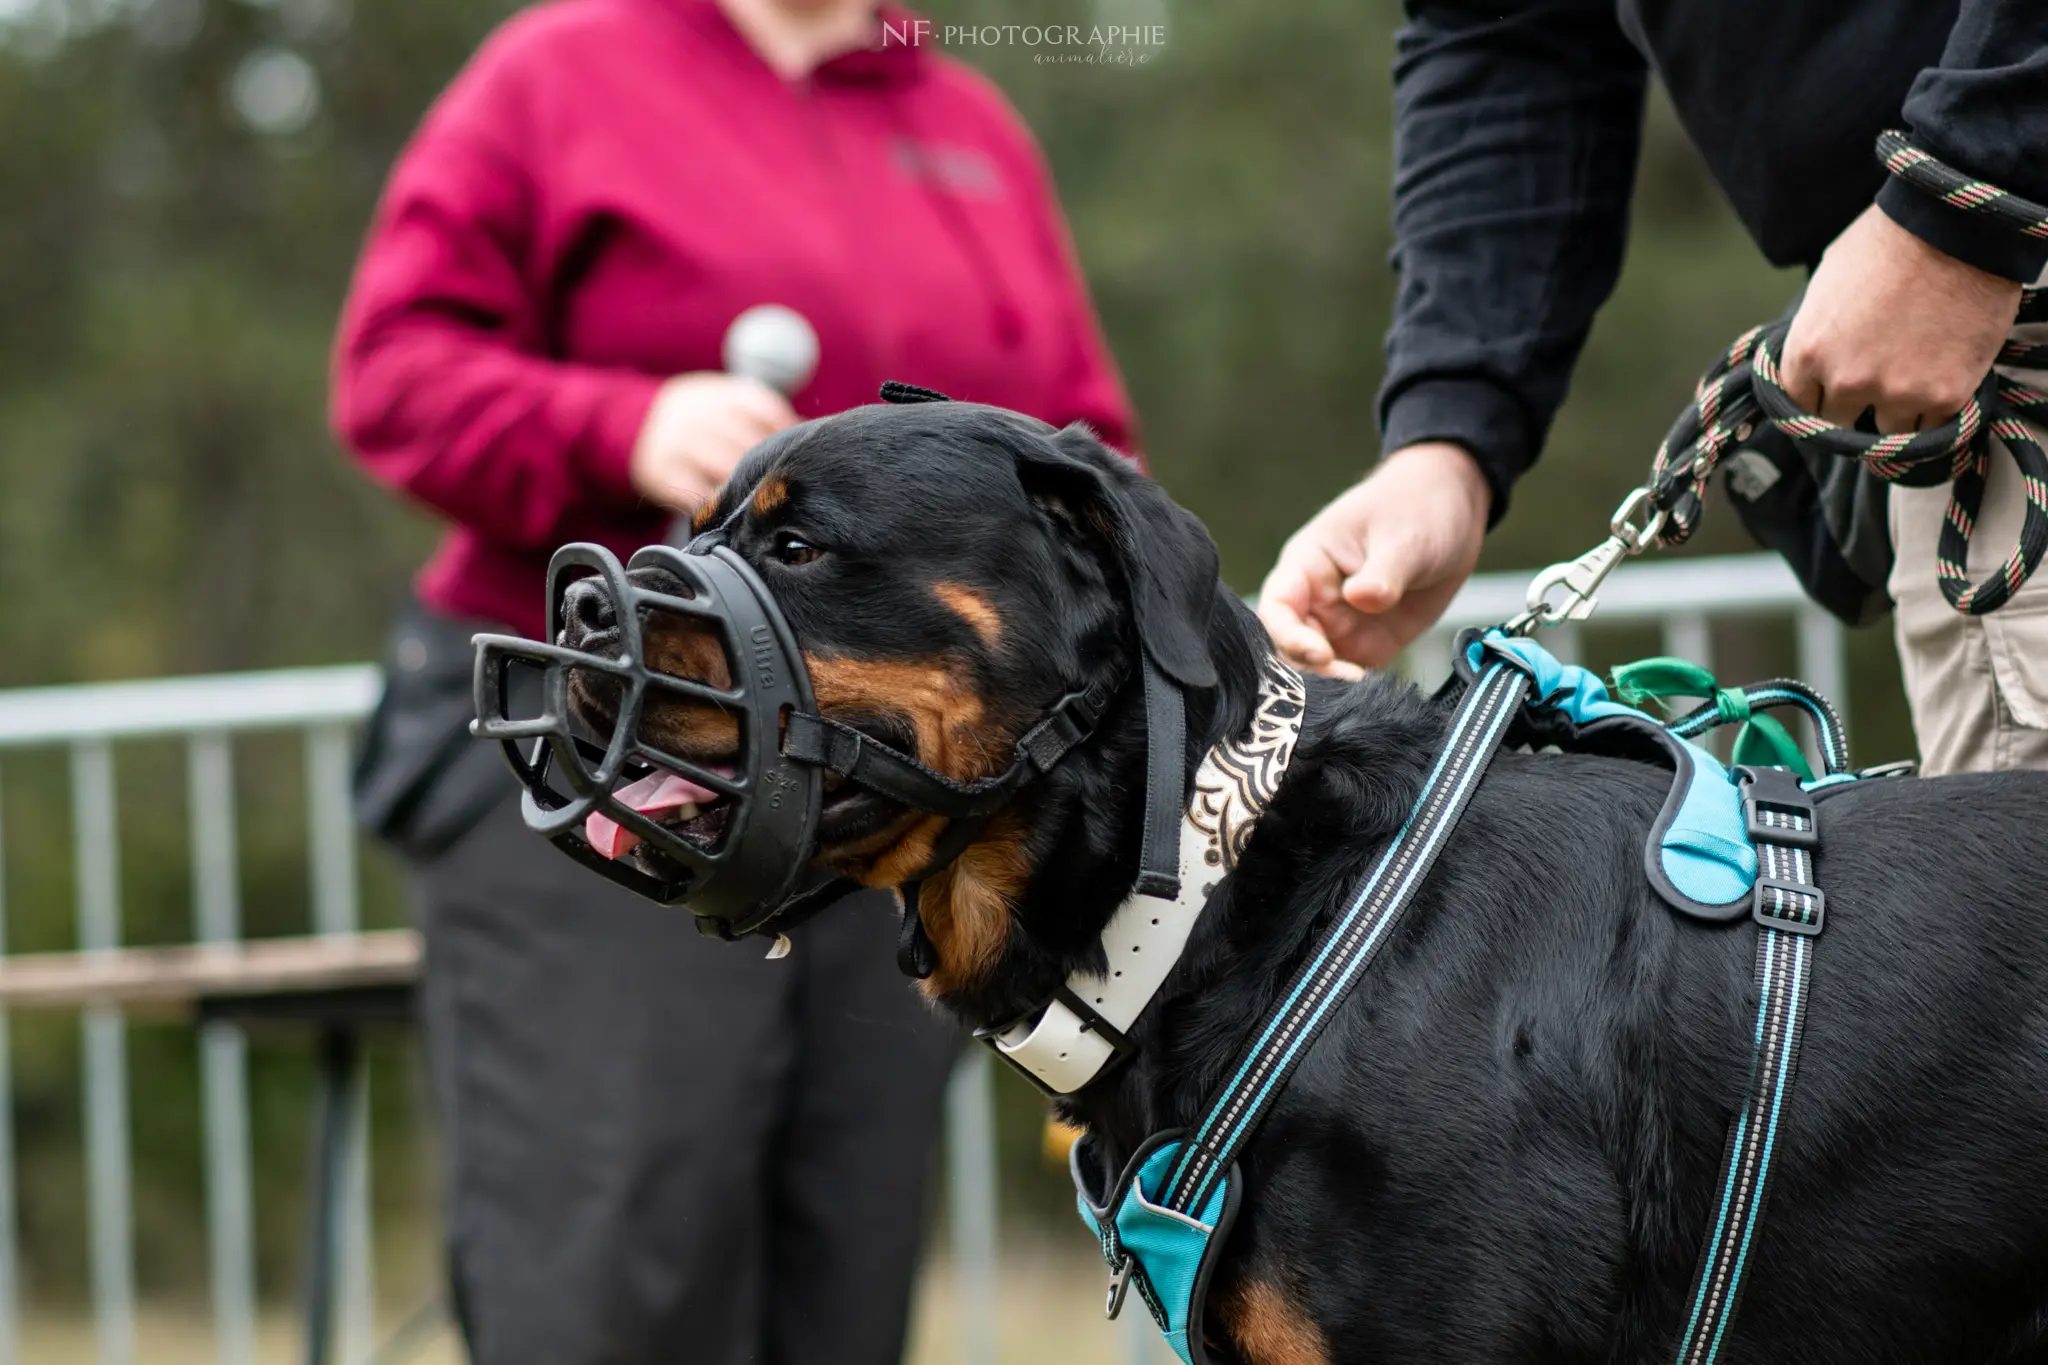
(1506, 1147)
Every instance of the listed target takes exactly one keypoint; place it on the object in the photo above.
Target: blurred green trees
(183, 185)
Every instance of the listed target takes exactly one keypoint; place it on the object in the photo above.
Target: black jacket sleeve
(1984, 111)
(1515, 151)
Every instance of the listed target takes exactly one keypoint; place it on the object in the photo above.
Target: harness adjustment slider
(1781, 911)
(1777, 810)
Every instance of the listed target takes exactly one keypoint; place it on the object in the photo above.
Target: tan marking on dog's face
(682, 647)
(967, 906)
(702, 517)
(934, 695)
(973, 608)
(1269, 1330)
(891, 856)
(944, 712)
(772, 492)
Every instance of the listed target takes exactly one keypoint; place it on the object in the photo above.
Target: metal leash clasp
(1631, 529)
(1119, 1281)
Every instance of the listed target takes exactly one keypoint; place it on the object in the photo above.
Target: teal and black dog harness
(1728, 844)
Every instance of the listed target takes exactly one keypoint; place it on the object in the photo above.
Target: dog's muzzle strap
(861, 758)
(1166, 742)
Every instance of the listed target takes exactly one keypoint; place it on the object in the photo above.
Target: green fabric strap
(1761, 742)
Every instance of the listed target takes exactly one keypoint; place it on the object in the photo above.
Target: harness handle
(1760, 742)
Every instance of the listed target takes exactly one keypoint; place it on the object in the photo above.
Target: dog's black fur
(1505, 1147)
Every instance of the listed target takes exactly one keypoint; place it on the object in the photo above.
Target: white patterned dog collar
(1082, 1029)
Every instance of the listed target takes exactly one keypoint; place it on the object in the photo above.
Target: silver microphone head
(773, 344)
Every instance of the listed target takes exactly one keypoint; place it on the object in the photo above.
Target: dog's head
(948, 572)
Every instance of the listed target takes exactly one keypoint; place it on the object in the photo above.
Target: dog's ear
(1162, 552)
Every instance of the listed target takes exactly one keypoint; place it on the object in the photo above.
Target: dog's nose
(586, 613)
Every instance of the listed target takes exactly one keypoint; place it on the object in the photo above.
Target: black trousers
(666, 1150)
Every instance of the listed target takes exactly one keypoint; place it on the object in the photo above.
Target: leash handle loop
(1936, 179)
(1745, 388)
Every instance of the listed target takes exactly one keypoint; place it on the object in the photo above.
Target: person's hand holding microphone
(701, 423)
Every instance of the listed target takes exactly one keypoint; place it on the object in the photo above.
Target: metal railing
(323, 705)
(207, 713)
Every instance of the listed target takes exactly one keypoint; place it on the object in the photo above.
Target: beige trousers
(1978, 685)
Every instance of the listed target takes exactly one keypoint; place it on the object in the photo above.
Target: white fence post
(337, 910)
(1687, 636)
(109, 1203)
(223, 1061)
(10, 1273)
(971, 1172)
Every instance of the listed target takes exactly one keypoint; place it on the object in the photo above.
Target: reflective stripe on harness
(1353, 942)
(1790, 910)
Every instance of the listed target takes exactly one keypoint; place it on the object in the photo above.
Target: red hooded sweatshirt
(604, 188)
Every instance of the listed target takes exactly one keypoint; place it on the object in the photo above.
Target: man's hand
(1892, 324)
(1375, 568)
(695, 432)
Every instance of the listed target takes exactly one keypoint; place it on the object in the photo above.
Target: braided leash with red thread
(1745, 389)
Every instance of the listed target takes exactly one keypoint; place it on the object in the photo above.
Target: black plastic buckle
(1773, 918)
(1120, 1047)
(1776, 789)
(1072, 719)
(1049, 741)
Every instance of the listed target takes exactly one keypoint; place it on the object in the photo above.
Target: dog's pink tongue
(651, 795)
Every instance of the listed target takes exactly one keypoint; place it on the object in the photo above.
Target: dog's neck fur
(1080, 832)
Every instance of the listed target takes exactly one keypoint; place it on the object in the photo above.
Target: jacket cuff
(1972, 238)
(1474, 413)
(618, 407)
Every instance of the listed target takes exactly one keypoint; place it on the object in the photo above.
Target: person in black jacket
(1517, 127)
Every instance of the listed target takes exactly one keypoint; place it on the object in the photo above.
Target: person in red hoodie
(663, 1149)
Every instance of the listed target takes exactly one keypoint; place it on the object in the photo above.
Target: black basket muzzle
(737, 881)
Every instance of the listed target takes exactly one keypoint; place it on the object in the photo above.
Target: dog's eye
(794, 549)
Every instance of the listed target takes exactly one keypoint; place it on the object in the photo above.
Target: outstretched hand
(1891, 324)
(1377, 567)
